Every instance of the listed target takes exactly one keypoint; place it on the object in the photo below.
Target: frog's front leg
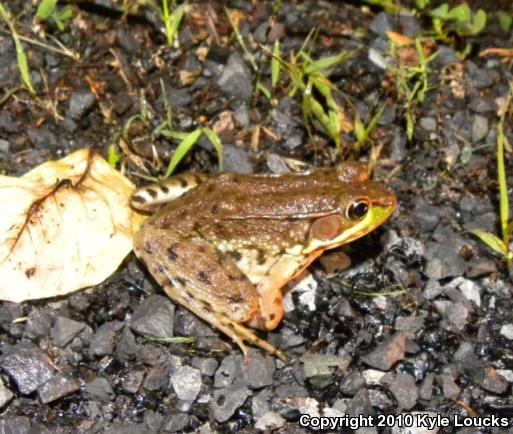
(269, 288)
(204, 280)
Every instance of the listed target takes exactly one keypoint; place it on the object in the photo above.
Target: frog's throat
(374, 218)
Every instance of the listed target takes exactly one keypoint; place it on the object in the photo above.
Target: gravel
(154, 317)
(27, 365)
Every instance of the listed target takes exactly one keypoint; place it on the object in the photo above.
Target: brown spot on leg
(164, 189)
(138, 199)
(171, 253)
(204, 278)
(148, 247)
(153, 193)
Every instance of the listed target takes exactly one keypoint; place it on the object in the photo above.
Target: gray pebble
(207, 366)
(259, 371)
(100, 388)
(27, 366)
(404, 390)
(156, 379)
(5, 394)
(186, 382)
(507, 331)
(229, 370)
(179, 422)
(226, 401)
(133, 381)
(56, 387)
(126, 348)
(381, 24)
(269, 421)
(479, 128)
(237, 160)
(4, 146)
(387, 353)
(80, 102)
(450, 388)
(489, 379)
(235, 80)
(154, 317)
(64, 330)
(39, 323)
(103, 340)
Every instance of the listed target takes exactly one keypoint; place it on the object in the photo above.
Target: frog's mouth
(377, 215)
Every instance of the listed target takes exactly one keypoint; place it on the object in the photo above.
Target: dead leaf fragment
(64, 225)
(399, 39)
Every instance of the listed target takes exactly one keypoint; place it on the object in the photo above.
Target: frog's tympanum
(223, 246)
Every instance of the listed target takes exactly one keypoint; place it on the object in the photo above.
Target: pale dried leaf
(64, 225)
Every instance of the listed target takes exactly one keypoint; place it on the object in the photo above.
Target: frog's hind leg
(234, 330)
(154, 196)
(204, 280)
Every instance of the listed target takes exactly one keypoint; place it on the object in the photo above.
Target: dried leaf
(399, 39)
(65, 225)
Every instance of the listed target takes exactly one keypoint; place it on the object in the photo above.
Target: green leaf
(326, 62)
(264, 90)
(46, 8)
(113, 156)
(440, 12)
(479, 22)
(181, 150)
(176, 19)
(216, 143)
(275, 64)
(505, 20)
(492, 241)
(460, 13)
(359, 129)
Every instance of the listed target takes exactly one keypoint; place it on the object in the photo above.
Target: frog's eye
(357, 209)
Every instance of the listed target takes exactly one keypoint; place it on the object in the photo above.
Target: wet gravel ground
(438, 340)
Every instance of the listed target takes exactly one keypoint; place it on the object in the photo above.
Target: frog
(223, 246)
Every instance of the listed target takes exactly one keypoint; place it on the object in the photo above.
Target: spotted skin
(224, 246)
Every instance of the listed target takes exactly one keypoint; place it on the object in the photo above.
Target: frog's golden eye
(357, 209)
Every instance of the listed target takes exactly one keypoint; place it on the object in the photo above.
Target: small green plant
(171, 19)
(505, 20)
(412, 84)
(20, 53)
(501, 245)
(459, 19)
(48, 11)
(310, 77)
(363, 132)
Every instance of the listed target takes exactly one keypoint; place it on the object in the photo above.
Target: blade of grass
(501, 176)
(492, 241)
(327, 62)
(20, 53)
(275, 64)
(181, 150)
(216, 143)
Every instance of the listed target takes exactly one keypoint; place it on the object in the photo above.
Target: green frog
(224, 245)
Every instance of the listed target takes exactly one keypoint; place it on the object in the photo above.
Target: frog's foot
(237, 332)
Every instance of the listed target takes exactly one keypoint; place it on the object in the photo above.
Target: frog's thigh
(202, 279)
(269, 289)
